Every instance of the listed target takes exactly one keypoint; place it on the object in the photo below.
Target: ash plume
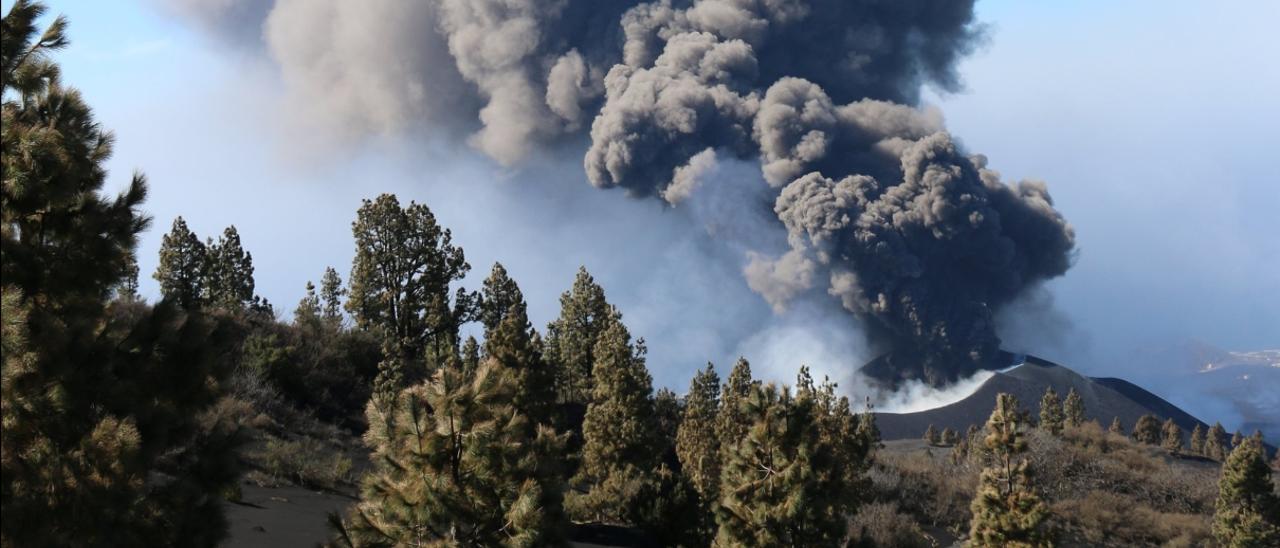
(882, 208)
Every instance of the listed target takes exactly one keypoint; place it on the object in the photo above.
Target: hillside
(1104, 399)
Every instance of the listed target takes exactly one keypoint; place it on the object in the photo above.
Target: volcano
(1027, 378)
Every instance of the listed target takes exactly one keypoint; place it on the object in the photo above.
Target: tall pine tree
(400, 280)
(514, 344)
(229, 273)
(1171, 437)
(619, 451)
(330, 300)
(571, 338)
(696, 442)
(113, 432)
(1197, 440)
(1073, 408)
(182, 267)
(1051, 415)
(731, 424)
(1006, 510)
(1215, 444)
(497, 297)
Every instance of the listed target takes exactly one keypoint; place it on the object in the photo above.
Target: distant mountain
(1240, 388)
(1104, 399)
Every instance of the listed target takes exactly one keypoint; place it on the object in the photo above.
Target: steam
(869, 203)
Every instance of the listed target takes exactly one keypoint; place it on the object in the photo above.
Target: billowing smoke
(883, 210)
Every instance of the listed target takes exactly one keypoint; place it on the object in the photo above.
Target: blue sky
(1152, 122)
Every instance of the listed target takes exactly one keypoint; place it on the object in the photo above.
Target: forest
(132, 422)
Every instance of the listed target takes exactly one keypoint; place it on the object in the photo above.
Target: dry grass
(1103, 490)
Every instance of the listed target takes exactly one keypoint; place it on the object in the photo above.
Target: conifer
(667, 413)
(1116, 428)
(1006, 510)
(1051, 413)
(619, 437)
(457, 465)
(783, 483)
(1236, 438)
(497, 297)
(731, 425)
(470, 355)
(1215, 443)
(400, 277)
(513, 344)
(1197, 440)
(696, 442)
(1147, 430)
(331, 293)
(1171, 437)
(308, 310)
(949, 436)
(114, 433)
(1073, 408)
(228, 281)
(571, 338)
(182, 267)
(1247, 511)
(931, 436)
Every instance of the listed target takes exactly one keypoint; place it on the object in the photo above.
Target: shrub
(306, 462)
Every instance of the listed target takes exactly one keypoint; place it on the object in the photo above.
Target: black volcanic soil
(269, 517)
(1104, 399)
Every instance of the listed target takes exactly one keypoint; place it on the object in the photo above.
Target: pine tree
(307, 313)
(1215, 444)
(1147, 430)
(1247, 512)
(1006, 509)
(949, 436)
(1197, 440)
(1051, 413)
(499, 294)
(331, 293)
(1116, 428)
(697, 445)
(1236, 438)
(571, 338)
(229, 273)
(182, 267)
(667, 413)
(113, 431)
(400, 280)
(731, 425)
(470, 355)
(1073, 408)
(960, 451)
(513, 343)
(931, 435)
(793, 478)
(618, 453)
(127, 289)
(457, 465)
(1171, 437)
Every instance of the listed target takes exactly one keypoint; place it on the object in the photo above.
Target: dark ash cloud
(883, 210)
